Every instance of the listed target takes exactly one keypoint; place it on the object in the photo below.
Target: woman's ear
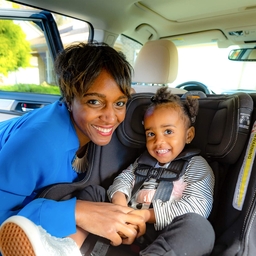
(69, 106)
(190, 134)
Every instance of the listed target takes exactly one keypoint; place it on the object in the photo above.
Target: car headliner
(182, 21)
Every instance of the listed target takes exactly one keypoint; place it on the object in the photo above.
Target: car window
(128, 47)
(26, 63)
(209, 64)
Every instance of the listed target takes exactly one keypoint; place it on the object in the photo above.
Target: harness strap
(101, 247)
(164, 176)
(163, 191)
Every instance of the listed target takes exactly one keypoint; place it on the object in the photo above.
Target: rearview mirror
(245, 54)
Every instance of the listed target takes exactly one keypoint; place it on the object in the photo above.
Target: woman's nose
(108, 114)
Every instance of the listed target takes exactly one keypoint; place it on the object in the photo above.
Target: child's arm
(123, 183)
(119, 198)
(147, 214)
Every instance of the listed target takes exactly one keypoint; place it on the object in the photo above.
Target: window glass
(71, 30)
(26, 63)
(128, 47)
(209, 64)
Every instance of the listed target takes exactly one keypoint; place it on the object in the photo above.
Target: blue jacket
(36, 150)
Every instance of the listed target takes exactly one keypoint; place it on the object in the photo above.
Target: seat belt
(245, 171)
(101, 247)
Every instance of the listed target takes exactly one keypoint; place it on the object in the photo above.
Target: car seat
(235, 225)
(221, 135)
(222, 131)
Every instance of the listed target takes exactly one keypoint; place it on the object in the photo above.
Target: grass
(32, 88)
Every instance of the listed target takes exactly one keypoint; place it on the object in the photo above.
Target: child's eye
(168, 131)
(150, 134)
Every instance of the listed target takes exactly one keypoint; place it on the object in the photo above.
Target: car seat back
(236, 226)
(222, 129)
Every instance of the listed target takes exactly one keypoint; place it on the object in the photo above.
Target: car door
(30, 41)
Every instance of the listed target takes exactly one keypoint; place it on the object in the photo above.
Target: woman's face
(99, 111)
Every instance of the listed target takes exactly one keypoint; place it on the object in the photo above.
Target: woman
(49, 145)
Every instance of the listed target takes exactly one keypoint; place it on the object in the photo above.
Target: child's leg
(189, 234)
(92, 193)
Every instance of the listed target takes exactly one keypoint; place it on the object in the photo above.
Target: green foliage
(32, 88)
(15, 50)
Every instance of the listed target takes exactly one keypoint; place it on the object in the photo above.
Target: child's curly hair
(189, 106)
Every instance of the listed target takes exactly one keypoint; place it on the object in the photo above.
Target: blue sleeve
(21, 179)
(58, 218)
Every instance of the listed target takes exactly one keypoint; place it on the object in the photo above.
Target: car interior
(201, 48)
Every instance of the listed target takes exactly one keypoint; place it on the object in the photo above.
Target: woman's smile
(104, 131)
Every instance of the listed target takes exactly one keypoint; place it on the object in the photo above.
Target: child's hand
(148, 215)
(143, 213)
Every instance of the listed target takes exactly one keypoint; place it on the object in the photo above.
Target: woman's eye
(121, 103)
(93, 102)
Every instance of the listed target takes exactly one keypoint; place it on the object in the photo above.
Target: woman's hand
(109, 221)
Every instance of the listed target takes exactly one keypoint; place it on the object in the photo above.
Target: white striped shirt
(197, 196)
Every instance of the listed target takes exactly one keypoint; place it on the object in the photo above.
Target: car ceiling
(182, 21)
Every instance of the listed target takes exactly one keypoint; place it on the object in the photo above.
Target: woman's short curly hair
(78, 65)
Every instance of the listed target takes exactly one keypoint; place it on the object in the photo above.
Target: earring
(69, 107)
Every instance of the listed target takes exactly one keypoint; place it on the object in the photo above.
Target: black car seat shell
(235, 226)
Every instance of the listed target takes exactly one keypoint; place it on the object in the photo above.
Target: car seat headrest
(222, 125)
(131, 131)
(156, 63)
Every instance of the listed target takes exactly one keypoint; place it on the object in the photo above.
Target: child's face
(166, 133)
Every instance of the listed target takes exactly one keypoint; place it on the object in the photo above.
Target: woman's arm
(109, 221)
(29, 162)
